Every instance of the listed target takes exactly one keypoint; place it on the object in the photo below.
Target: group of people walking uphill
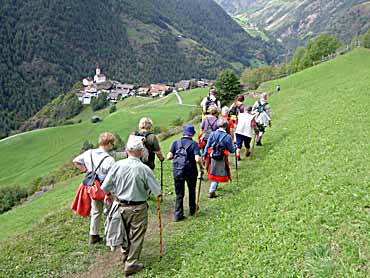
(124, 186)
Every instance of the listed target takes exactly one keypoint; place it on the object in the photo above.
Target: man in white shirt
(244, 131)
(85, 162)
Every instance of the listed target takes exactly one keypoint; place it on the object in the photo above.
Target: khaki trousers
(135, 220)
(96, 214)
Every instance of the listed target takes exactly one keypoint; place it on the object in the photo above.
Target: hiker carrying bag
(261, 107)
(234, 112)
(147, 154)
(208, 131)
(217, 152)
(181, 163)
(92, 182)
(210, 103)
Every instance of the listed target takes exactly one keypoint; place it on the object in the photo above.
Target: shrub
(177, 122)
(100, 102)
(157, 130)
(366, 39)
(112, 109)
(11, 196)
(119, 144)
(87, 146)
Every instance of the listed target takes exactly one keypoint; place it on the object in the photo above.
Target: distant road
(179, 101)
(22, 133)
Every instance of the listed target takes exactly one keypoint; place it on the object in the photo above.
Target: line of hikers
(124, 186)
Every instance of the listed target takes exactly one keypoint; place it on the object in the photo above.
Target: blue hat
(188, 130)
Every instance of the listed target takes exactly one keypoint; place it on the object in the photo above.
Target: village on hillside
(116, 91)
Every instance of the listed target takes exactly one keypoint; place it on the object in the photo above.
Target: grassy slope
(36, 153)
(300, 210)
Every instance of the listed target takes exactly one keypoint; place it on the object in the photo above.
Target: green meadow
(301, 207)
(37, 153)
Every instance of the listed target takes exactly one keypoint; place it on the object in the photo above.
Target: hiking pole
(160, 226)
(254, 142)
(162, 176)
(236, 170)
(198, 197)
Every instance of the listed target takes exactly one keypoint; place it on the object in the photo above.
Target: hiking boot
(94, 239)
(212, 195)
(124, 256)
(180, 219)
(133, 269)
(259, 143)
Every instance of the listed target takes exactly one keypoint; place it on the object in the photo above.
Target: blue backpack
(217, 152)
(181, 163)
(261, 107)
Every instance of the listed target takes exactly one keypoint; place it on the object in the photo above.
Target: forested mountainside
(295, 22)
(47, 45)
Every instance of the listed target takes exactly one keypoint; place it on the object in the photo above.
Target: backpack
(181, 163)
(210, 103)
(261, 107)
(234, 112)
(217, 152)
(91, 176)
(147, 154)
(208, 131)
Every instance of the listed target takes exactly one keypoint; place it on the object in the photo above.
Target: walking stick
(162, 176)
(198, 197)
(236, 170)
(254, 142)
(160, 227)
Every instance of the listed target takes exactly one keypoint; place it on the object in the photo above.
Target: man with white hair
(262, 112)
(130, 180)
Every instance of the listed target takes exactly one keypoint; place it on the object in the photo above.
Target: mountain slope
(301, 208)
(46, 46)
(295, 22)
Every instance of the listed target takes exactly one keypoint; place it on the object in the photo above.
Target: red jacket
(208, 166)
(82, 203)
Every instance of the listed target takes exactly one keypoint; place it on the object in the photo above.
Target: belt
(131, 203)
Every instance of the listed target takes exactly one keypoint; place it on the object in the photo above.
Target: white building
(99, 77)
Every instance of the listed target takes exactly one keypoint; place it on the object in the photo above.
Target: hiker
(185, 155)
(85, 162)
(129, 180)
(215, 153)
(210, 101)
(244, 131)
(208, 125)
(236, 108)
(150, 141)
(225, 114)
(262, 112)
(277, 89)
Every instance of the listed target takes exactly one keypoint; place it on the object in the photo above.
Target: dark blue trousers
(180, 193)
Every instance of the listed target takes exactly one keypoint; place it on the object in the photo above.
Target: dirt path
(106, 263)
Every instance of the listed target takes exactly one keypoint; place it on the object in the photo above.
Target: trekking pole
(236, 170)
(254, 142)
(198, 197)
(162, 176)
(160, 227)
